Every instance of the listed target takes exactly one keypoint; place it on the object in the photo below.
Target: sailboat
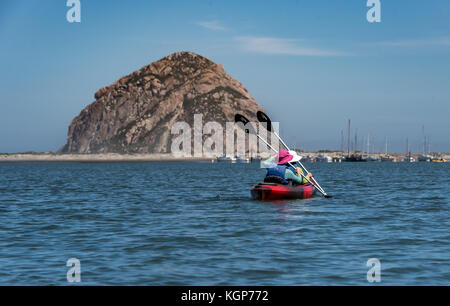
(368, 157)
(425, 158)
(224, 158)
(324, 158)
(354, 157)
(408, 158)
(386, 157)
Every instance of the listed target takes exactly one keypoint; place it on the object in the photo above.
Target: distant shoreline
(116, 157)
(93, 158)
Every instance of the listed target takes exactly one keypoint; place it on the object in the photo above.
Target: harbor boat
(274, 191)
(224, 158)
(242, 160)
(307, 159)
(324, 158)
(409, 159)
(370, 158)
(337, 159)
(438, 160)
(425, 158)
(354, 158)
(386, 159)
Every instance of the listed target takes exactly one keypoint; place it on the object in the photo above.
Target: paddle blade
(263, 118)
(240, 118)
(245, 124)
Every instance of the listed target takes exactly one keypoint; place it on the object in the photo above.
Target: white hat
(296, 156)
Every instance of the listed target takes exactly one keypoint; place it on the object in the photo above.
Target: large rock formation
(135, 114)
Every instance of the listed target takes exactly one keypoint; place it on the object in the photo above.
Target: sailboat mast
(424, 139)
(348, 139)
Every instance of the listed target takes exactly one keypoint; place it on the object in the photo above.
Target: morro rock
(135, 114)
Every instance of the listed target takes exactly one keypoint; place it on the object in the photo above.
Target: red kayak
(273, 191)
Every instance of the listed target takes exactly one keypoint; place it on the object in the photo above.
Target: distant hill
(135, 114)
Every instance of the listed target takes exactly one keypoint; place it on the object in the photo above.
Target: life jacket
(279, 171)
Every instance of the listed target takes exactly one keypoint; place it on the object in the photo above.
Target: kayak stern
(271, 192)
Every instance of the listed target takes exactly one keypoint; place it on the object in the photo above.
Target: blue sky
(310, 64)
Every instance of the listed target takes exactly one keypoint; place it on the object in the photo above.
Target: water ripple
(137, 224)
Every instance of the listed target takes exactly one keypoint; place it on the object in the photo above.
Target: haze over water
(195, 224)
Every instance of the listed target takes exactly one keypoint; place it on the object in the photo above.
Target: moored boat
(354, 158)
(274, 191)
(386, 158)
(337, 159)
(322, 158)
(425, 158)
(409, 159)
(371, 158)
(438, 160)
(307, 159)
(224, 158)
(242, 160)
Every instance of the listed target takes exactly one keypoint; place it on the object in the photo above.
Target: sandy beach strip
(155, 157)
(107, 157)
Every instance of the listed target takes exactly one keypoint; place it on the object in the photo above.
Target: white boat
(370, 158)
(425, 158)
(409, 159)
(387, 159)
(224, 158)
(337, 159)
(306, 159)
(242, 160)
(321, 158)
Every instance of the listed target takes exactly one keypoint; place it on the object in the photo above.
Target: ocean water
(196, 224)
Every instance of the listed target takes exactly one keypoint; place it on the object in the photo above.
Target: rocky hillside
(135, 114)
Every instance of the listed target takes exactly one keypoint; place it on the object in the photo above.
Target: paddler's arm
(297, 177)
(289, 175)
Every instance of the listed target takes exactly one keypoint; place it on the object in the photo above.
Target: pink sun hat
(284, 157)
(287, 156)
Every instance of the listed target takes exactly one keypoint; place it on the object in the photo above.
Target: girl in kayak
(280, 171)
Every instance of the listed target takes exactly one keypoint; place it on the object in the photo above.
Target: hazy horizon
(311, 65)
